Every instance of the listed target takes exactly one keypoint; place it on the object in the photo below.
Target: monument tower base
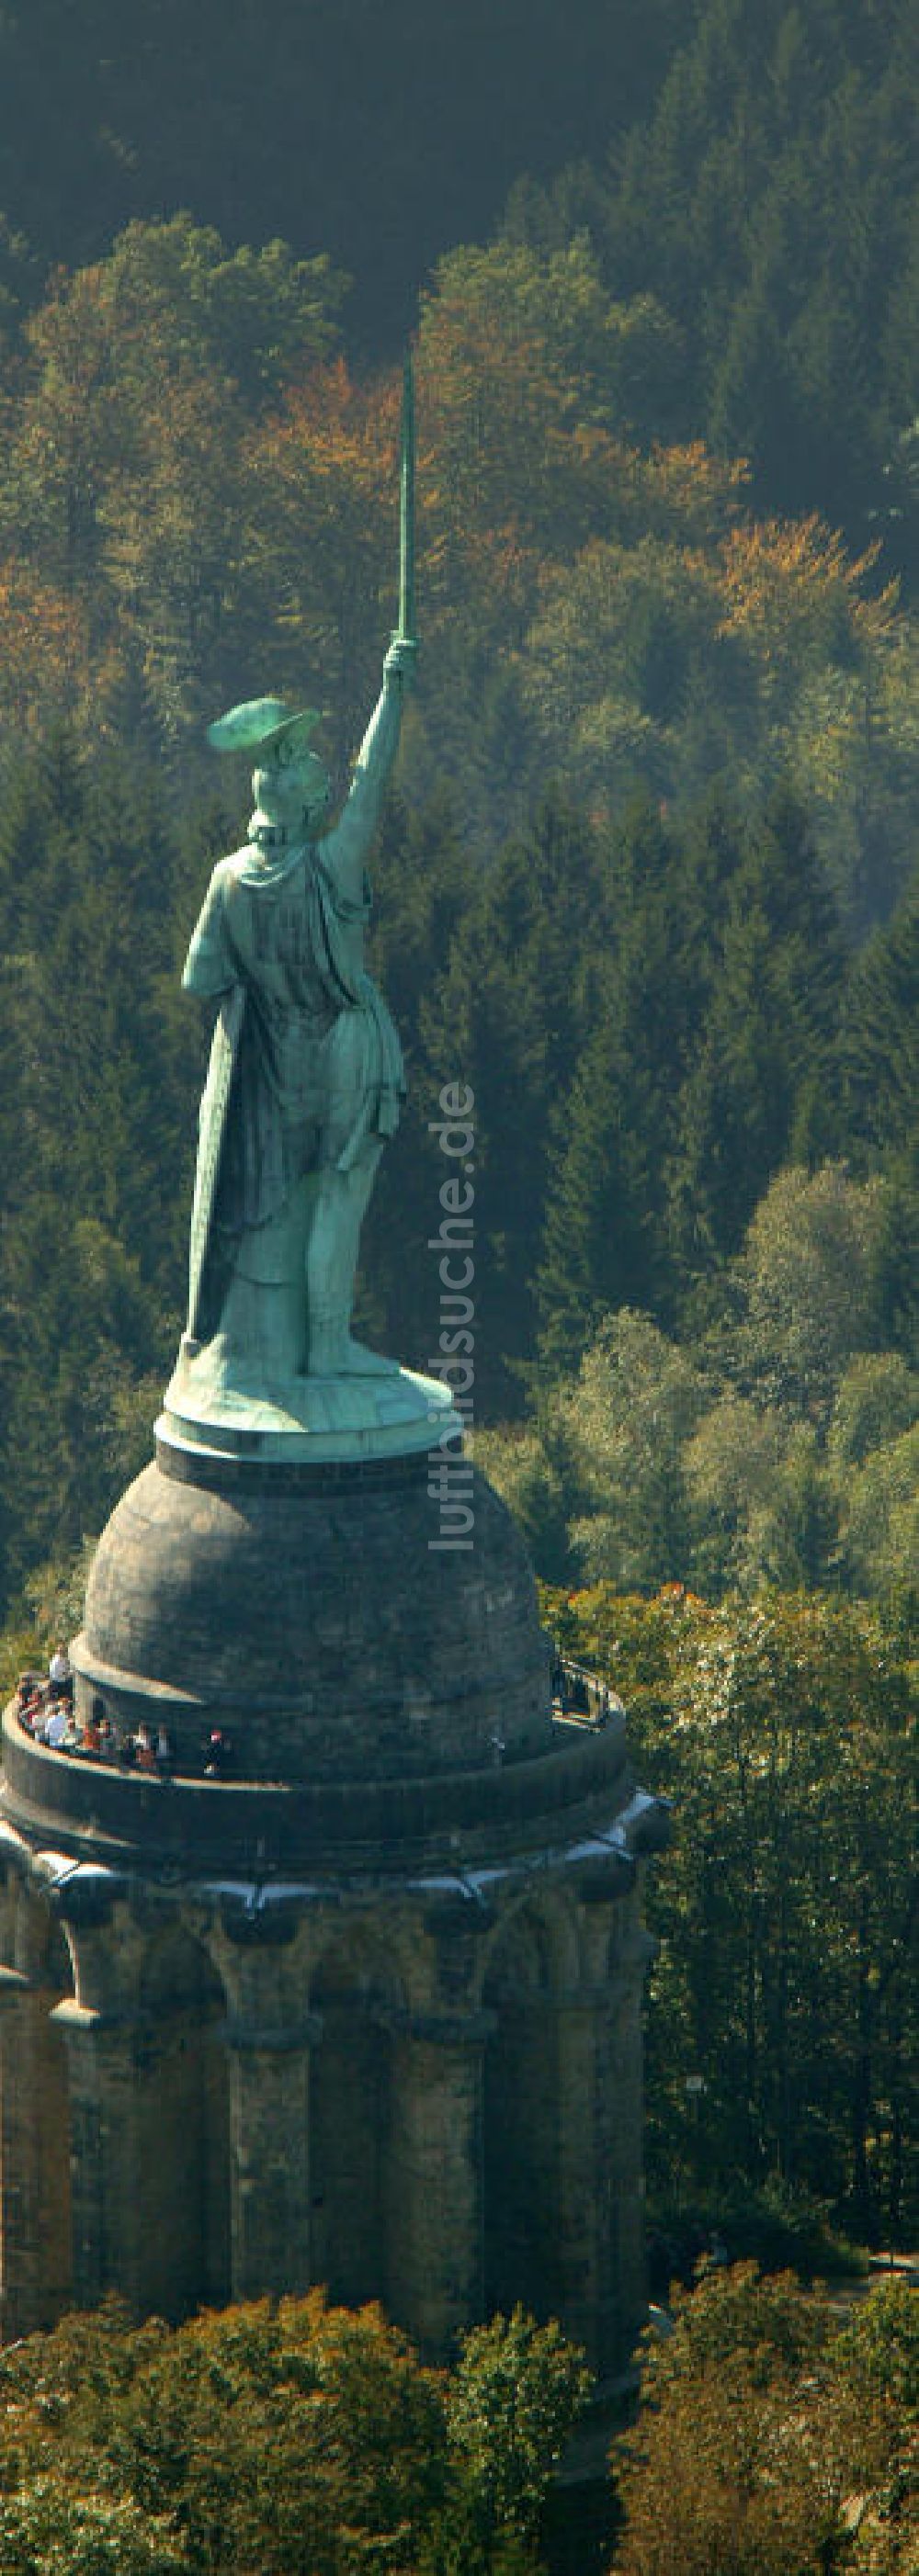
(358, 2001)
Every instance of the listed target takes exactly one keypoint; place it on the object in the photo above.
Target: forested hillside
(769, 205)
(197, 497)
(379, 136)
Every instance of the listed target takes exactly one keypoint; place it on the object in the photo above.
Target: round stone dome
(314, 1614)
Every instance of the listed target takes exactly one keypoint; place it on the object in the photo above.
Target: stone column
(107, 2213)
(636, 1952)
(434, 2176)
(586, 2213)
(21, 2267)
(601, 2215)
(269, 2155)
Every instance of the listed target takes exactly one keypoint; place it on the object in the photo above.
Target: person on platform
(60, 1674)
(27, 1704)
(91, 1739)
(218, 1753)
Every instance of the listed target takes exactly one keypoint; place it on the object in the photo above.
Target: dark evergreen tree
(381, 138)
(879, 1084)
(879, 1041)
(605, 1231)
(758, 1087)
(99, 1133)
(769, 204)
(508, 1019)
(600, 1248)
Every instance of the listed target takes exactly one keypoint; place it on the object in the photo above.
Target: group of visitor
(44, 1703)
(46, 1709)
(44, 1706)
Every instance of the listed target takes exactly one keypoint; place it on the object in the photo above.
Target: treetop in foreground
(294, 2440)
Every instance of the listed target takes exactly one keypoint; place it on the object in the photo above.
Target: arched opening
(355, 1992)
(522, 2116)
(182, 2240)
(36, 2273)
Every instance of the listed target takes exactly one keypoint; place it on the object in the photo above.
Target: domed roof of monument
(319, 1623)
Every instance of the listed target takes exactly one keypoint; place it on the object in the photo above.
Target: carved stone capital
(92, 2022)
(14, 1987)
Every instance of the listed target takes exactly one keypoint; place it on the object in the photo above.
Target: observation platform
(466, 1828)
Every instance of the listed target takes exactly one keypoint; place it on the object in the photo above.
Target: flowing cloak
(272, 946)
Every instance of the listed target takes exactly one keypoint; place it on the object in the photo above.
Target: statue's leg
(331, 1262)
(262, 1329)
(350, 1074)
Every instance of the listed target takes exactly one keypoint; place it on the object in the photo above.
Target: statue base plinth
(388, 1412)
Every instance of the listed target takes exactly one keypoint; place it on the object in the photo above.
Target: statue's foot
(346, 1358)
(359, 1362)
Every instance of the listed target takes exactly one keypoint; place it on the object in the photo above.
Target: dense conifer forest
(648, 884)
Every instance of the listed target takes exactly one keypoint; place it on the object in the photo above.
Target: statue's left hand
(401, 659)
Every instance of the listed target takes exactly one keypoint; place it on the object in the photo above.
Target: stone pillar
(18, 2194)
(434, 2176)
(269, 2155)
(586, 2211)
(522, 2119)
(636, 1952)
(22, 2251)
(601, 2208)
(107, 2213)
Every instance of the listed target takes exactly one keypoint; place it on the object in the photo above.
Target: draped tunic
(309, 1036)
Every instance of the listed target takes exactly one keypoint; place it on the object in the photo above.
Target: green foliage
(779, 2225)
(278, 2440)
(608, 1136)
(807, 1278)
(785, 1733)
(339, 129)
(504, 1017)
(635, 1407)
(97, 1125)
(770, 2441)
(255, 2439)
(880, 2347)
(511, 2404)
(769, 206)
(533, 1470)
(778, 1445)
(732, 2463)
(880, 1517)
(187, 482)
(879, 1045)
(46, 2529)
(255, 316)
